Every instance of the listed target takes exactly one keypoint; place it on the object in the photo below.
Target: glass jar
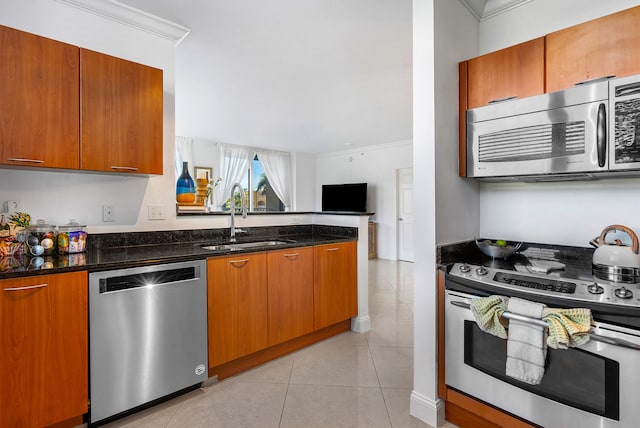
(41, 239)
(72, 238)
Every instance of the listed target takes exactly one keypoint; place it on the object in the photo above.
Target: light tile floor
(350, 380)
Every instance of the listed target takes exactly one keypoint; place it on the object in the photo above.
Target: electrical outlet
(108, 213)
(156, 212)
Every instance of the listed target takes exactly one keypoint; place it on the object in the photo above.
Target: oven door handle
(539, 323)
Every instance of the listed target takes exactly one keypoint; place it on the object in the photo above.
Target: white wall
(446, 206)
(305, 181)
(377, 167)
(424, 402)
(457, 199)
(554, 213)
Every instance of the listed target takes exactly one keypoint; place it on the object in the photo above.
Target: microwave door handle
(601, 135)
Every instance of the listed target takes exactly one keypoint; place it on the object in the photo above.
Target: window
(259, 193)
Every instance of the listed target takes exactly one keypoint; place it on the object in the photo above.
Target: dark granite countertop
(577, 260)
(124, 250)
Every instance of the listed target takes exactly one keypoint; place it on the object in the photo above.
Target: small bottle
(185, 188)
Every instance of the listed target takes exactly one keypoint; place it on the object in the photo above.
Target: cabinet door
(237, 306)
(517, 71)
(39, 99)
(44, 342)
(605, 46)
(121, 115)
(290, 284)
(335, 283)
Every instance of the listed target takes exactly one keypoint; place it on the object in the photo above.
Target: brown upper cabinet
(71, 108)
(121, 115)
(603, 47)
(517, 71)
(607, 46)
(40, 102)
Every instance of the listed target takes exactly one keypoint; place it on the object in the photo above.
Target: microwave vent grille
(546, 141)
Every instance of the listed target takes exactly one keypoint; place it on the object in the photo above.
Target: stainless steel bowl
(489, 248)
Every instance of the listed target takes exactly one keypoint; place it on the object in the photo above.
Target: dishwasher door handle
(150, 279)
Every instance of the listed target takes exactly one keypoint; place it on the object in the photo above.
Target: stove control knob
(623, 293)
(465, 268)
(482, 271)
(595, 289)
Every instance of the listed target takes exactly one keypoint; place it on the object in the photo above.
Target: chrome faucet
(233, 210)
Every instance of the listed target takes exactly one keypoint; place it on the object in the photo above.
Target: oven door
(594, 385)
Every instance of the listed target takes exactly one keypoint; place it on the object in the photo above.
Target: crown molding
(486, 9)
(132, 17)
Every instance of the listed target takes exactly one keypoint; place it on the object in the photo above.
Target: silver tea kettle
(616, 254)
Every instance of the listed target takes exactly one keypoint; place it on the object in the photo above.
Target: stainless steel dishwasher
(148, 335)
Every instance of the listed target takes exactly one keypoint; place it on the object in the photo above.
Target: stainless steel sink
(243, 245)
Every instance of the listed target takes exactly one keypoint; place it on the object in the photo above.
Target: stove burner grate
(539, 284)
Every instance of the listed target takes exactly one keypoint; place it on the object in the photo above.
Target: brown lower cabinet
(44, 349)
(335, 294)
(290, 293)
(268, 304)
(237, 306)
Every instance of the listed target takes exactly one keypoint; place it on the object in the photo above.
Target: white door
(405, 214)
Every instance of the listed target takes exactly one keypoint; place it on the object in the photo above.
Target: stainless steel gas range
(594, 385)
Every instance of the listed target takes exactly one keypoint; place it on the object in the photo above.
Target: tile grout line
(373, 361)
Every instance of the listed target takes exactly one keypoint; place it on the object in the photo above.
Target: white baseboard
(361, 324)
(427, 410)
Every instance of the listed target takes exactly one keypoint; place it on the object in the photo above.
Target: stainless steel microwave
(588, 131)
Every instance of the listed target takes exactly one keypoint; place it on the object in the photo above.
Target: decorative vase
(185, 188)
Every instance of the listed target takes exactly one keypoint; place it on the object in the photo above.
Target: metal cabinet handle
(25, 160)
(333, 249)
(501, 100)
(595, 79)
(291, 255)
(29, 287)
(125, 168)
(233, 262)
(539, 323)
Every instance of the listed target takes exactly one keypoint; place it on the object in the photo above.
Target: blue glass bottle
(185, 188)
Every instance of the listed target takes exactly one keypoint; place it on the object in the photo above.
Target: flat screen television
(344, 197)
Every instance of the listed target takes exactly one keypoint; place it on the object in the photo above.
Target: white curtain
(234, 165)
(277, 168)
(184, 153)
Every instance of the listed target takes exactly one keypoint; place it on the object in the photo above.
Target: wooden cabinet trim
(463, 69)
(483, 411)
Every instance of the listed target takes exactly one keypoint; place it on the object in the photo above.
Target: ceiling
(311, 76)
